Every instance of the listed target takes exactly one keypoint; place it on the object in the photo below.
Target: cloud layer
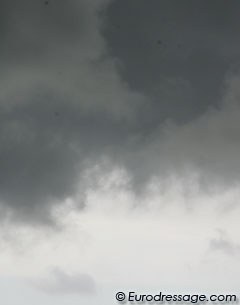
(67, 107)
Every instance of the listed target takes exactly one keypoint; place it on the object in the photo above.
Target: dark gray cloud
(175, 52)
(63, 283)
(62, 102)
(130, 81)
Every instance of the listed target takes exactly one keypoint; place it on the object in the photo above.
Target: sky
(119, 149)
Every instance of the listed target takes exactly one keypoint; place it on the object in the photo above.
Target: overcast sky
(119, 148)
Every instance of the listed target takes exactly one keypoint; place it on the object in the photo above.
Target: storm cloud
(62, 101)
(84, 81)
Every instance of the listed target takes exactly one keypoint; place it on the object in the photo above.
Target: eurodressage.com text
(132, 297)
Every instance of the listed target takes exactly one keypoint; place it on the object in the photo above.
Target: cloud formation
(63, 283)
(66, 104)
(62, 101)
(225, 245)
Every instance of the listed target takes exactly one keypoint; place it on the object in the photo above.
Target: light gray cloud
(64, 283)
(224, 245)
